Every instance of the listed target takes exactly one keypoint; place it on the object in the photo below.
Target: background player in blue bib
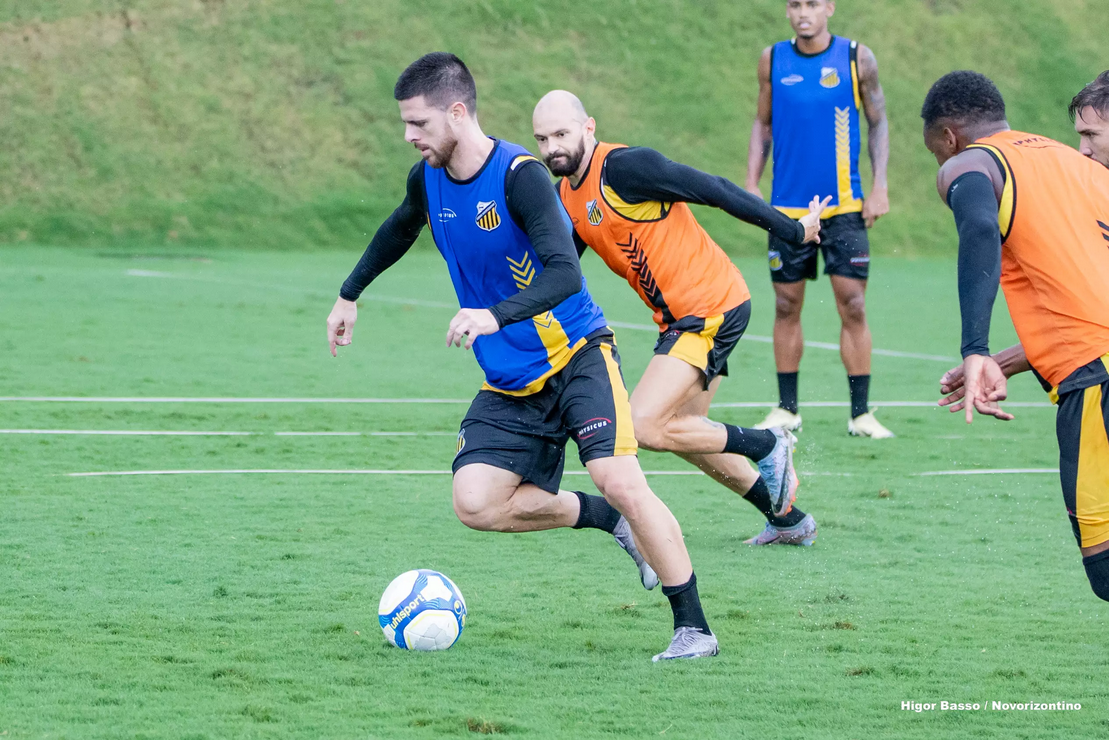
(811, 89)
(551, 364)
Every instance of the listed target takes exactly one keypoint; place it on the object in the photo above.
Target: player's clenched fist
(341, 322)
(469, 324)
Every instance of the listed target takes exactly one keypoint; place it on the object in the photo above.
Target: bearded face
(439, 154)
(564, 163)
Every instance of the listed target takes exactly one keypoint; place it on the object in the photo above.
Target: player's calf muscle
(680, 434)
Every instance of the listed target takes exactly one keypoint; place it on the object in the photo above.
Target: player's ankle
(686, 605)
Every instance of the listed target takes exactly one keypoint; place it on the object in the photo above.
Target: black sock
(858, 387)
(788, 392)
(687, 606)
(759, 497)
(1095, 565)
(754, 444)
(596, 513)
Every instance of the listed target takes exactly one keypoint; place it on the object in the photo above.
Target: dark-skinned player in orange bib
(1032, 217)
(630, 206)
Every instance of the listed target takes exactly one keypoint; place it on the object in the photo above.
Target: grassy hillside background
(198, 124)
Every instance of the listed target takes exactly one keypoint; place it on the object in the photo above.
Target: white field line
(437, 304)
(163, 433)
(275, 471)
(996, 471)
(278, 471)
(232, 399)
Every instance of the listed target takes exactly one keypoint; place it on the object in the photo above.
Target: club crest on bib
(487, 218)
(593, 213)
(829, 77)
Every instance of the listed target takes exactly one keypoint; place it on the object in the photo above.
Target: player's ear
(831, 8)
(590, 126)
(457, 112)
(951, 141)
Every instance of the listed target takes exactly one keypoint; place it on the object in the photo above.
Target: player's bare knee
(627, 497)
(852, 310)
(787, 308)
(473, 511)
(651, 433)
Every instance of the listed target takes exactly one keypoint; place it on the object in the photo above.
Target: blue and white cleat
(803, 533)
(778, 472)
(689, 642)
(623, 535)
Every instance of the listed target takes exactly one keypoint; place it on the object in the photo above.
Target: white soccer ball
(422, 610)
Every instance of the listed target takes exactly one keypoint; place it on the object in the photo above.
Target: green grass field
(243, 605)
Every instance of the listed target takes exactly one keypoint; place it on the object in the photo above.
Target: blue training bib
(815, 103)
(490, 259)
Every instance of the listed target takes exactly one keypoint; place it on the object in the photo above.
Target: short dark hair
(1093, 94)
(963, 96)
(443, 80)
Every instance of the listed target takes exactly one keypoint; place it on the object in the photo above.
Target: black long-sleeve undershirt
(532, 206)
(639, 174)
(979, 264)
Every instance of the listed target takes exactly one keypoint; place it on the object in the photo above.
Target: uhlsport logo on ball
(422, 610)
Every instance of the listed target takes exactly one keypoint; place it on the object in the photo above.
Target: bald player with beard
(629, 204)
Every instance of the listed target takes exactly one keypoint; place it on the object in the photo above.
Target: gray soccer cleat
(622, 533)
(689, 642)
(803, 533)
(778, 472)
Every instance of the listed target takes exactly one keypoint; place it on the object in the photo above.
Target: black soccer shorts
(706, 343)
(586, 401)
(844, 247)
(1081, 430)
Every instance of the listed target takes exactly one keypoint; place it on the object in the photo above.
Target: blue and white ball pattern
(422, 610)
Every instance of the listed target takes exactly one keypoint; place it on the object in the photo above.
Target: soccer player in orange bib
(1032, 216)
(629, 205)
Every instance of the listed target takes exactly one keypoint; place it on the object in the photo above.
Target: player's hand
(952, 383)
(341, 322)
(812, 220)
(469, 324)
(984, 387)
(754, 190)
(875, 205)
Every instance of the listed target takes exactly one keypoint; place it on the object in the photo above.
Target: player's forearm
(1012, 361)
(979, 263)
(759, 150)
(740, 204)
(640, 174)
(878, 148)
(559, 280)
(535, 208)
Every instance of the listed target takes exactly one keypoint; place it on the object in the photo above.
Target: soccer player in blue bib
(811, 90)
(551, 364)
